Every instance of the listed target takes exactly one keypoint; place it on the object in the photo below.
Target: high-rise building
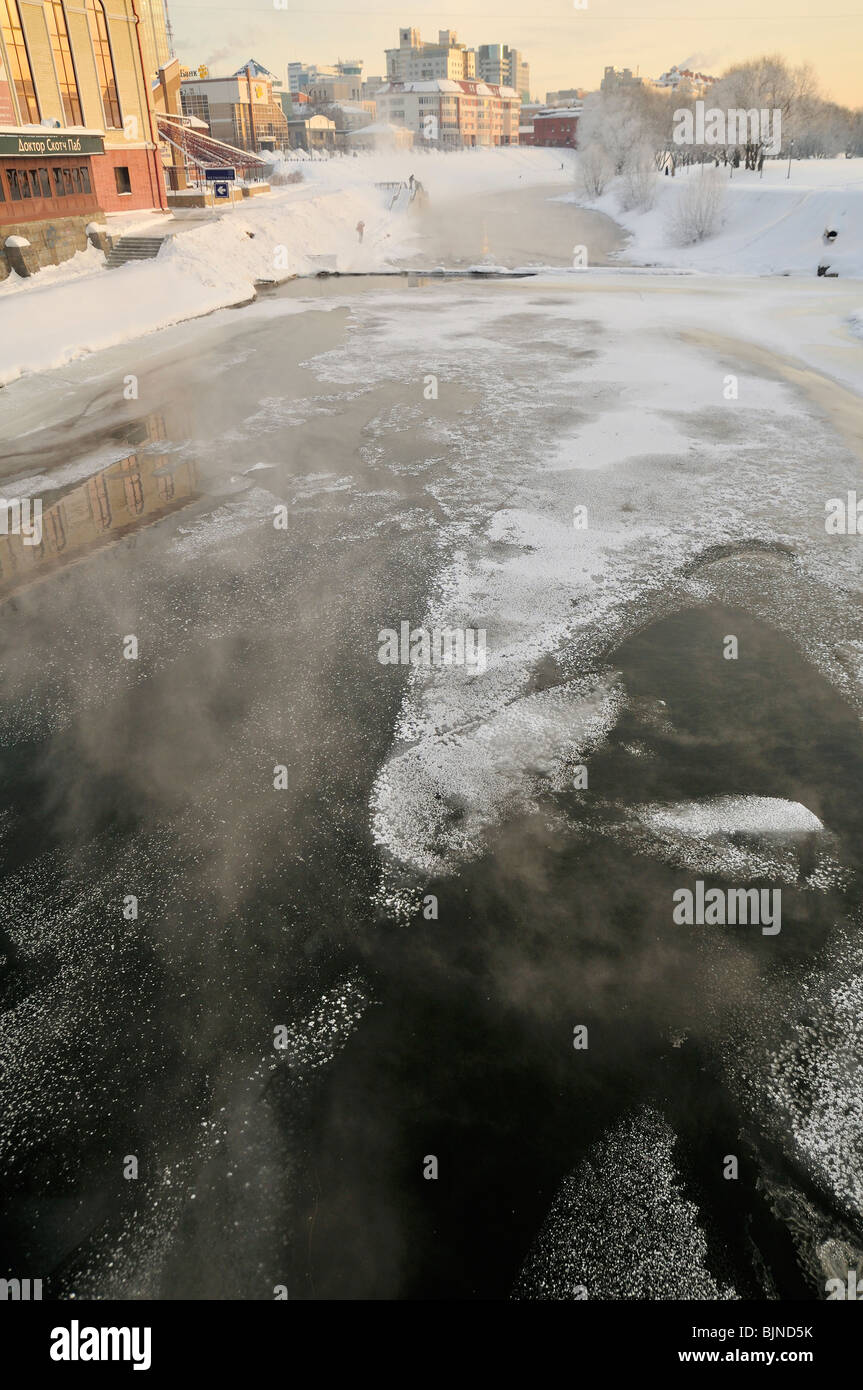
(503, 66)
(415, 61)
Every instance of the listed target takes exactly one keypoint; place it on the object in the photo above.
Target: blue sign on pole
(220, 175)
(221, 190)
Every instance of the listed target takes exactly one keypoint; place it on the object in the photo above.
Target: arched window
(105, 64)
(19, 62)
(58, 31)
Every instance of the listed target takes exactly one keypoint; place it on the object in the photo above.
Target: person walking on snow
(361, 226)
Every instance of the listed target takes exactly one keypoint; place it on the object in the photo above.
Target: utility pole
(168, 28)
(252, 109)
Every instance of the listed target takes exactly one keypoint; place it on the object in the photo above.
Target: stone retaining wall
(51, 242)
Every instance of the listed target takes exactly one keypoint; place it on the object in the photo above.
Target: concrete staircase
(134, 248)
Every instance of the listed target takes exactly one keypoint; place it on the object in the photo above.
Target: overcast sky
(565, 46)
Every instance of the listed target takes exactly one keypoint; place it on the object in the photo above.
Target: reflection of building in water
(89, 516)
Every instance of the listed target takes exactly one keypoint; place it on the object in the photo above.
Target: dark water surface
(153, 778)
(470, 1055)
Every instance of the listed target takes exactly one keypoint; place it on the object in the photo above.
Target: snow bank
(769, 226)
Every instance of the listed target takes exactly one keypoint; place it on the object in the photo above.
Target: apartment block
(415, 61)
(503, 66)
(457, 115)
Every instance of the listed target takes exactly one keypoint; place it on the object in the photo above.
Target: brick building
(77, 133)
(557, 128)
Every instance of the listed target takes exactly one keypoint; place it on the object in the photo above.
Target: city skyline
(565, 46)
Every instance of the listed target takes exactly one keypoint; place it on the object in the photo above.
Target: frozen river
(223, 836)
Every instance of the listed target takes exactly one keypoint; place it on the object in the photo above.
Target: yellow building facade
(77, 133)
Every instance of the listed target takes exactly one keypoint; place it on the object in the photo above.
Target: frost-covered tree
(638, 180)
(619, 135)
(767, 84)
(697, 211)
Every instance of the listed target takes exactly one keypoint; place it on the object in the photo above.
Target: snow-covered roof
(437, 84)
(465, 86)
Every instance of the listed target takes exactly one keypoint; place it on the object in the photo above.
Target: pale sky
(565, 46)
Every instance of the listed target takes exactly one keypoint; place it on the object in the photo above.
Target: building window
(104, 64)
(19, 185)
(59, 190)
(55, 17)
(19, 61)
(85, 180)
(124, 183)
(45, 183)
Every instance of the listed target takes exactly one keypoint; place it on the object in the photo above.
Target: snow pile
(85, 262)
(768, 226)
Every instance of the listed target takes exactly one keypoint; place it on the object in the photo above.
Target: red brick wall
(145, 175)
(551, 131)
(46, 209)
